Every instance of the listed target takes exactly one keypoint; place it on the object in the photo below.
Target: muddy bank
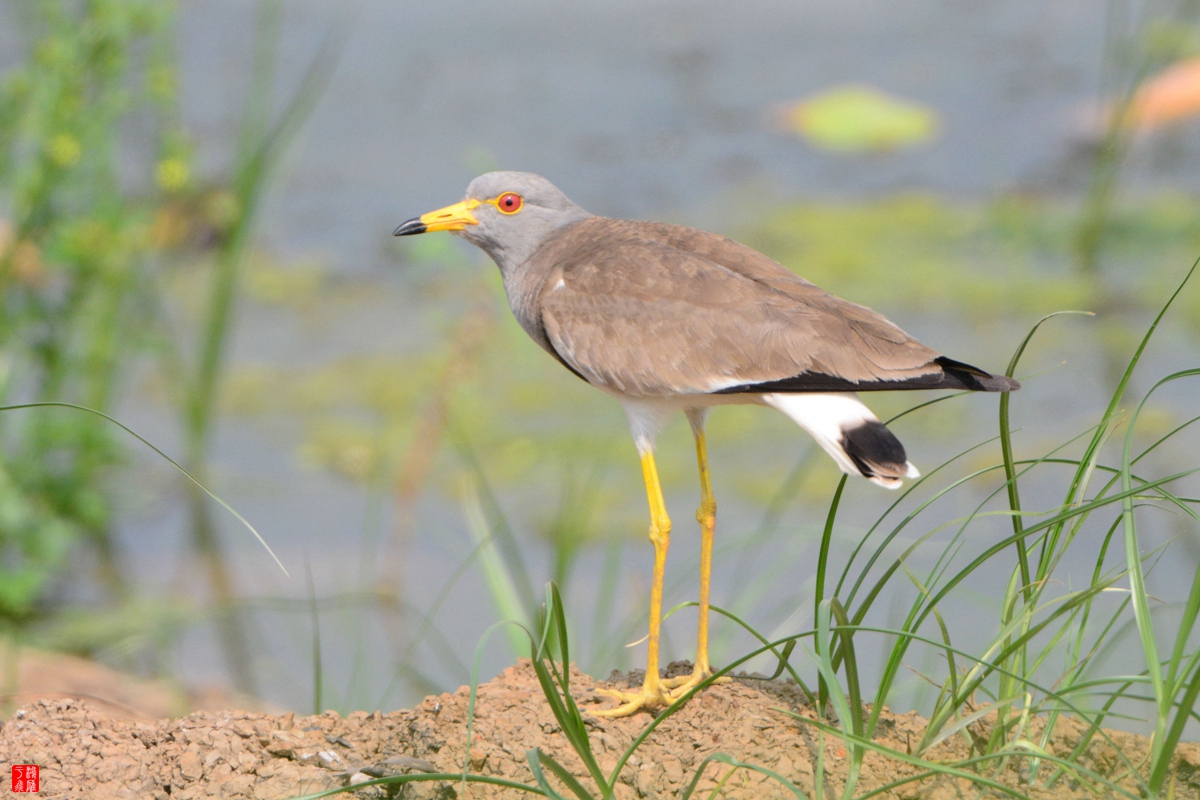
(84, 752)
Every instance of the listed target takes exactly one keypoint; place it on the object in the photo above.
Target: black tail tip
(998, 383)
(974, 378)
(876, 451)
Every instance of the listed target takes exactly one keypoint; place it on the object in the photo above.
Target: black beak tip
(410, 227)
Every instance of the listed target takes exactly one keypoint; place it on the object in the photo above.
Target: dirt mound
(31, 674)
(83, 752)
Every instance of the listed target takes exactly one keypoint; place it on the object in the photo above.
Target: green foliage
(74, 251)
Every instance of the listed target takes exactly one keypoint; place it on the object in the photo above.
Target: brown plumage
(648, 309)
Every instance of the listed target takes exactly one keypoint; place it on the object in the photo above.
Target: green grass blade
(506, 540)
(826, 539)
(783, 656)
(850, 664)
(496, 576)
(487, 634)
(1160, 767)
(722, 758)
(170, 461)
(1162, 685)
(534, 757)
(1014, 496)
(316, 642)
(556, 688)
(400, 780)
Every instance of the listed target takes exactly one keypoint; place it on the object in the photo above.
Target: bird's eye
(509, 203)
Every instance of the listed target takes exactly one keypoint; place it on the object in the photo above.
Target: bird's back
(650, 308)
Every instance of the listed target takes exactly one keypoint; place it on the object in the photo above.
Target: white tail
(832, 418)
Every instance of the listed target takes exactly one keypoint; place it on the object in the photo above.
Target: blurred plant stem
(417, 461)
(261, 145)
(1151, 44)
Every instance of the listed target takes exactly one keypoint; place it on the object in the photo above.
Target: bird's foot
(648, 698)
(681, 685)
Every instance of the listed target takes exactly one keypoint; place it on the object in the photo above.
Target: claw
(681, 685)
(649, 698)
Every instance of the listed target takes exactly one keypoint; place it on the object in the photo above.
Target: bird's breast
(524, 298)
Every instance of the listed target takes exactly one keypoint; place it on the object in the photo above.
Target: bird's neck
(514, 253)
(525, 280)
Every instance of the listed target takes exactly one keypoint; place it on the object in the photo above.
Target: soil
(84, 750)
(29, 674)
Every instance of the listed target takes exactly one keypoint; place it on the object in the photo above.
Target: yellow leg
(653, 693)
(706, 515)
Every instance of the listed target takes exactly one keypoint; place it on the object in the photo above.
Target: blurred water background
(371, 407)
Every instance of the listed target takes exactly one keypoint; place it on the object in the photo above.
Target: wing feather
(649, 309)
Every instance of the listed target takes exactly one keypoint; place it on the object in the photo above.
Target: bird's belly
(682, 402)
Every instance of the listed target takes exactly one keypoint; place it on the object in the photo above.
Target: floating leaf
(855, 119)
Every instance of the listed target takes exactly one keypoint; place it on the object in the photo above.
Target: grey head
(506, 214)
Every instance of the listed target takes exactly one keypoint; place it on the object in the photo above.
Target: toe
(632, 702)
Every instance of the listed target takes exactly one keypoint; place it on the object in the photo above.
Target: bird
(667, 318)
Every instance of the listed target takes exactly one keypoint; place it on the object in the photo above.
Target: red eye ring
(509, 203)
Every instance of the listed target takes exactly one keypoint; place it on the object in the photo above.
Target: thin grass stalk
(179, 467)
(426, 625)
(602, 614)
(1014, 504)
(501, 530)
(822, 566)
(722, 758)
(1091, 454)
(314, 615)
(535, 758)
(1163, 685)
(401, 780)
(826, 538)
(850, 663)
(843, 707)
(783, 655)
(556, 686)
(1006, 450)
(260, 148)
(505, 597)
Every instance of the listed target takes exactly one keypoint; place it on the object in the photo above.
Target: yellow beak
(450, 218)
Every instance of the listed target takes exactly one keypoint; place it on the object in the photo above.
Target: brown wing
(649, 309)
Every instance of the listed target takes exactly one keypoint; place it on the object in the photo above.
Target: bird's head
(507, 214)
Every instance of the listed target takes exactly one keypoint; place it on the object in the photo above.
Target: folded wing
(648, 309)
